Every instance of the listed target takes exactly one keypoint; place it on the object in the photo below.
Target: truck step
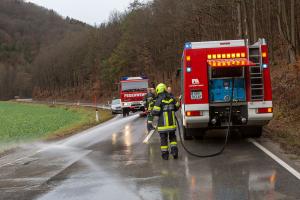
(256, 73)
(256, 86)
(256, 68)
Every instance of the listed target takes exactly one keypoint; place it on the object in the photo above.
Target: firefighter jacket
(148, 98)
(165, 108)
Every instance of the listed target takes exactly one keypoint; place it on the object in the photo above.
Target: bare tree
(239, 16)
(254, 33)
(285, 30)
(245, 20)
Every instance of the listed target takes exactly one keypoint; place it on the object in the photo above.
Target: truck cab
(132, 92)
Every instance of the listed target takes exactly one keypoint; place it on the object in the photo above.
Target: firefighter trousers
(164, 138)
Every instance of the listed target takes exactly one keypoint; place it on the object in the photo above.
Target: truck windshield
(116, 101)
(134, 86)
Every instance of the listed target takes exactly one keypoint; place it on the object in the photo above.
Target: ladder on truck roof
(256, 73)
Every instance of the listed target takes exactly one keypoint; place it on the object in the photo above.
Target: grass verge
(27, 122)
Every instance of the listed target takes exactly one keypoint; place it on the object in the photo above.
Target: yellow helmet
(160, 88)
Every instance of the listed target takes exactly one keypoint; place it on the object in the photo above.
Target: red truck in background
(132, 92)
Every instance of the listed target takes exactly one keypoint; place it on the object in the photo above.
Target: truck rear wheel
(252, 131)
(187, 133)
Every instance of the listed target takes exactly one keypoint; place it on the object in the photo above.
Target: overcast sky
(89, 11)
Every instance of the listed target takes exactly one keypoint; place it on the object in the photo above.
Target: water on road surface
(111, 161)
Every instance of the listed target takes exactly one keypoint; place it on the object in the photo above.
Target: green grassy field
(26, 122)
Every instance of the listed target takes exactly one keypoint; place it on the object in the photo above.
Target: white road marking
(277, 159)
(146, 140)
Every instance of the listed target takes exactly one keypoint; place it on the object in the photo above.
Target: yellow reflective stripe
(168, 101)
(173, 143)
(157, 108)
(173, 116)
(164, 128)
(166, 119)
(164, 147)
(177, 104)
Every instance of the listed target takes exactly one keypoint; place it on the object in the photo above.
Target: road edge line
(146, 140)
(276, 158)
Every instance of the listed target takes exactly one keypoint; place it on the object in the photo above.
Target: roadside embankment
(285, 127)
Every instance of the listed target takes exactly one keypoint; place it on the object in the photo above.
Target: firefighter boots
(165, 155)
(174, 152)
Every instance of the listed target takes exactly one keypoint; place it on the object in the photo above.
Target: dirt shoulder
(285, 127)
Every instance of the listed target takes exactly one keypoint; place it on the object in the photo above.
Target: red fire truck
(132, 92)
(208, 72)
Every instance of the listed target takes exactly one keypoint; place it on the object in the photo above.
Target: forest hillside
(26, 29)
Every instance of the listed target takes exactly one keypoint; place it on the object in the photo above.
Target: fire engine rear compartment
(221, 83)
(208, 70)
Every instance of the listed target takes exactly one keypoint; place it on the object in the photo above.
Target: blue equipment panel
(220, 90)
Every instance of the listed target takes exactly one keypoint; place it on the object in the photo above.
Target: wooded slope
(25, 29)
(147, 39)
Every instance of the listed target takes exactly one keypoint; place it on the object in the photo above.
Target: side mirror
(178, 72)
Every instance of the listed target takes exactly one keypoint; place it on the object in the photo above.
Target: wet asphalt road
(111, 162)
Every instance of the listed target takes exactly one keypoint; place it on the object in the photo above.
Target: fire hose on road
(226, 137)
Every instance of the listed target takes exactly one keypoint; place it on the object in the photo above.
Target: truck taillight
(264, 110)
(193, 113)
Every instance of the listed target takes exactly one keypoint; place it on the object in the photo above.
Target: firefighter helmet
(160, 88)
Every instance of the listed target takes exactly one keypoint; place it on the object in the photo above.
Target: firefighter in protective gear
(169, 90)
(149, 99)
(164, 108)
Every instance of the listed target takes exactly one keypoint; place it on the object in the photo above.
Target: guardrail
(69, 103)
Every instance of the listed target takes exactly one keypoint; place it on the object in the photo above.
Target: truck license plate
(197, 94)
